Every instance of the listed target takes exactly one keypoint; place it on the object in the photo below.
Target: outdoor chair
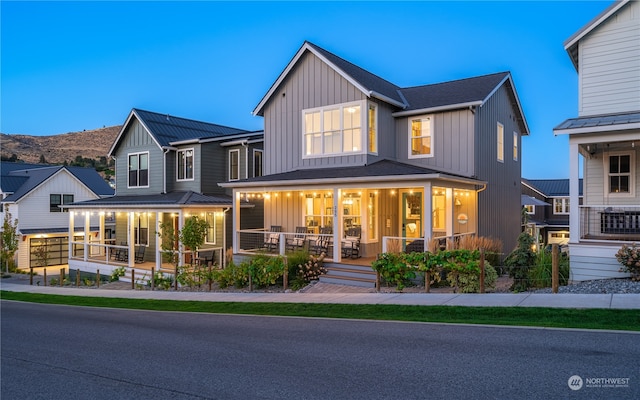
(351, 242)
(272, 239)
(205, 257)
(322, 242)
(297, 242)
(139, 254)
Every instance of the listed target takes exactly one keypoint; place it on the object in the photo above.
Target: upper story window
(372, 122)
(257, 162)
(500, 141)
(529, 209)
(515, 146)
(421, 137)
(561, 206)
(139, 170)
(332, 130)
(56, 200)
(620, 173)
(185, 164)
(234, 165)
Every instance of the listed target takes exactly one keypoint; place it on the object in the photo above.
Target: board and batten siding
(452, 142)
(386, 132)
(609, 60)
(596, 183)
(213, 168)
(499, 206)
(310, 84)
(137, 140)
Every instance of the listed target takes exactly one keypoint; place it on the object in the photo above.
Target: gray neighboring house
(606, 137)
(167, 170)
(37, 195)
(347, 149)
(546, 203)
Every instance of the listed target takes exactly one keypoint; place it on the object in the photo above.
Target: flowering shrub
(311, 269)
(629, 257)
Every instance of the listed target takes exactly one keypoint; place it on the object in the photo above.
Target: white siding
(610, 65)
(592, 261)
(595, 183)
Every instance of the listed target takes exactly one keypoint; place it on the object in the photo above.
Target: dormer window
(333, 130)
(185, 165)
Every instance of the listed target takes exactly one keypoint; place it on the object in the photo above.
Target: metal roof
(532, 201)
(20, 181)
(552, 187)
(171, 199)
(600, 122)
(378, 169)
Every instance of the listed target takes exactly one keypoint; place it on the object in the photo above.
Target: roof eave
(437, 109)
(596, 129)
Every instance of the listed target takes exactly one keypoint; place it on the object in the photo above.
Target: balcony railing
(618, 223)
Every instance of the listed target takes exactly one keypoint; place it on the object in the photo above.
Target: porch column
(235, 222)
(158, 242)
(574, 201)
(337, 225)
(449, 211)
(131, 234)
(71, 228)
(101, 229)
(87, 234)
(180, 245)
(427, 214)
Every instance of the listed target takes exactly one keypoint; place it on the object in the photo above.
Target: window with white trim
(185, 165)
(620, 173)
(257, 162)
(515, 146)
(421, 136)
(530, 209)
(56, 200)
(500, 142)
(212, 227)
(332, 130)
(234, 165)
(139, 170)
(561, 206)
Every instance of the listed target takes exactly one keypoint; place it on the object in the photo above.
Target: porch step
(352, 275)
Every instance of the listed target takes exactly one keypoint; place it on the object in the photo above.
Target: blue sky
(69, 66)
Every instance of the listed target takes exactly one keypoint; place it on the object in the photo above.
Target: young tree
(9, 236)
(193, 233)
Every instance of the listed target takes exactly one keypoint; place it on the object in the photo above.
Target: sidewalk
(611, 301)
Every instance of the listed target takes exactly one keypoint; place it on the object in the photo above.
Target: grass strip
(512, 316)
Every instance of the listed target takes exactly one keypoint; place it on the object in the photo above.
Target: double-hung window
(234, 165)
(185, 164)
(620, 173)
(141, 229)
(561, 205)
(139, 170)
(333, 130)
(421, 137)
(257, 162)
(56, 200)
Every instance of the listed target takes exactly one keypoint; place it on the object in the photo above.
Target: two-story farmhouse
(37, 196)
(167, 170)
(348, 153)
(546, 205)
(606, 135)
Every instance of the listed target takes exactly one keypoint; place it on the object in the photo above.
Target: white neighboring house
(606, 134)
(35, 194)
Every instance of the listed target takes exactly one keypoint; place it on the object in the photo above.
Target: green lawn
(521, 316)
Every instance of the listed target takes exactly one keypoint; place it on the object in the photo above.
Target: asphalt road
(64, 352)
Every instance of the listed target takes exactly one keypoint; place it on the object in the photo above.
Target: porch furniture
(415, 246)
(321, 243)
(351, 242)
(120, 254)
(297, 242)
(272, 239)
(205, 257)
(139, 254)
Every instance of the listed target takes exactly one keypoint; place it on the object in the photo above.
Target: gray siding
(499, 206)
(213, 168)
(136, 140)
(310, 84)
(386, 133)
(452, 142)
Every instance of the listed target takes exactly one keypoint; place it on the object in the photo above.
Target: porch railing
(397, 244)
(254, 241)
(619, 223)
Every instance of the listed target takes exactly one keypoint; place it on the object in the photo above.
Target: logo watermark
(576, 382)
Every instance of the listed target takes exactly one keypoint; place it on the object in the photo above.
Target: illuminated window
(561, 205)
(372, 121)
(620, 173)
(332, 130)
(500, 141)
(515, 146)
(420, 137)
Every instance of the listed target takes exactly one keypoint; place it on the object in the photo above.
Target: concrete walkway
(611, 301)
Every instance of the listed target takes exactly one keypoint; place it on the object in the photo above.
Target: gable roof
(168, 130)
(571, 44)
(21, 181)
(461, 93)
(552, 187)
(392, 170)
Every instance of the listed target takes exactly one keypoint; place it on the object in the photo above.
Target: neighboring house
(36, 195)
(546, 204)
(606, 133)
(168, 169)
(347, 149)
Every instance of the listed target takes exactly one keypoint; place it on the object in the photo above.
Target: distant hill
(56, 149)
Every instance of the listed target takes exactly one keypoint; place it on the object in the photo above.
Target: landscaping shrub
(232, 275)
(540, 276)
(394, 269)
(520, 261)
(629, 257)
